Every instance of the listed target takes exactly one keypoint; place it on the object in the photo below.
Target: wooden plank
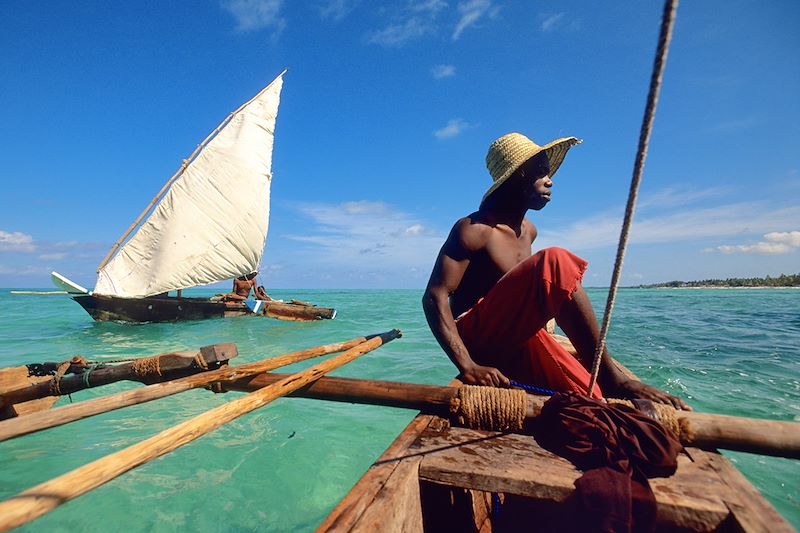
(515, 464)
(397, 506)
(750, 511)
(348, 512)
(17, 378)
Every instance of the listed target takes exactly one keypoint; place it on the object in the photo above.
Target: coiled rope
(667, 24)
(489, 408)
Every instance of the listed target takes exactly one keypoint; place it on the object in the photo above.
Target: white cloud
(338, 9)
(678, 196)
(416, 20)
(791, 238)
(681, 226)
(454, 127)
(774, 243)
(443, 71)
(53, 257)
(368, 236)
(399, 34)
(471, 12)
(735, 125)
(16, 242)
(254, 15)
(551, 21)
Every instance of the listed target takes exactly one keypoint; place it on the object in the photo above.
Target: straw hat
(509, 152)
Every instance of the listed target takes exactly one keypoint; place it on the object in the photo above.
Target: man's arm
(448, 272)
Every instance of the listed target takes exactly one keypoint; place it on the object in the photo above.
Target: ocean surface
(285, 466)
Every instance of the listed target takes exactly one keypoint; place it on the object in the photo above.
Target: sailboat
(207, 224)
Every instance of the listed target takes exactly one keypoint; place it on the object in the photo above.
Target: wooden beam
(45, 497)
(707, 431)
(38, 421)
(168, 366)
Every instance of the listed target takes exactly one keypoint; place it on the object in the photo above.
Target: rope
(667, 23)
(55, 383)
(532, 389)
(147, 366)
(667, 417)
(489, 408)
(86, 375)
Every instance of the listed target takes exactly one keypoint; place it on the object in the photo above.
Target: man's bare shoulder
(471, 233)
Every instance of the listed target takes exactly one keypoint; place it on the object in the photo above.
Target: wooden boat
(438, 477)
(165, 308)
(435, 476)
(207, 224)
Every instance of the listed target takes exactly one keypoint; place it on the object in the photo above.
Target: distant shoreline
(715, 287)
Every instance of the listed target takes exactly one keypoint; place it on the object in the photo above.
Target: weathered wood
(30, 424)
(708, 431)
(460, 468)
(749, 510)
(349, 511)
(170, 365)
(18, 378)
(43, 498)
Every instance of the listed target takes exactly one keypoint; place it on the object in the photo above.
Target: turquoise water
(285, 466)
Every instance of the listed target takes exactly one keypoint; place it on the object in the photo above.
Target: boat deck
(436, 477)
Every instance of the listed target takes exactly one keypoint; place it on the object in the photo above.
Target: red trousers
(505, 329)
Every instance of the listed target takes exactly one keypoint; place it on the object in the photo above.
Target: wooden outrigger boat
(439, 477)
(207, 224)
(165, 308)
(435, 476)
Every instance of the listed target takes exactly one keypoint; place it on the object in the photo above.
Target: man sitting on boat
(241, 289)
(488, 299)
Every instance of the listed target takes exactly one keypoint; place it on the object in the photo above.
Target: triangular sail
(212, 223)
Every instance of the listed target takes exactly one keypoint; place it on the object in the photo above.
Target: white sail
(212, 223)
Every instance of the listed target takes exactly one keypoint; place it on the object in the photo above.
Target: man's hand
(485, 375)
(632, 388)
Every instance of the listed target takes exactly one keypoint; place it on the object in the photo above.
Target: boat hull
(437, 477)
(104, 308)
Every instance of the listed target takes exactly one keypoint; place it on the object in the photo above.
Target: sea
(285, 466)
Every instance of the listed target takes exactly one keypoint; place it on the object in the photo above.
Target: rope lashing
(666, 416)
(55, 383)
(147, 366)
(667, 23)
(489, 408)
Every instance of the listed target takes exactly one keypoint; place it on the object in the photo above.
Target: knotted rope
(55, 383)
(147, 366)
(667, 23)
(489, 408)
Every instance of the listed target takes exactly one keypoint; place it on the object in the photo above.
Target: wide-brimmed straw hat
(509, 152)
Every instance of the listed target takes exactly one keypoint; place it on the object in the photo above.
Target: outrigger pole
(701, 430)
(43, 498)
(16, 427)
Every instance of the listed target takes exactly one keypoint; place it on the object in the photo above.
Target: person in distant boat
(242, 287)
(489, 298)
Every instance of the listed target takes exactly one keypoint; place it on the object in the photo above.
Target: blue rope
(531, 389)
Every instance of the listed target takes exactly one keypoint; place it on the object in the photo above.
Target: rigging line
(667, 24)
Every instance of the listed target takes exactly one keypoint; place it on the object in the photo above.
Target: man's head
(512, 153)
(247, 277)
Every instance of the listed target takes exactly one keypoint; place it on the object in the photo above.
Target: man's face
(536, 182)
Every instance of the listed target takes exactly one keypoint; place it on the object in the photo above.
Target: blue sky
(386, 114)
